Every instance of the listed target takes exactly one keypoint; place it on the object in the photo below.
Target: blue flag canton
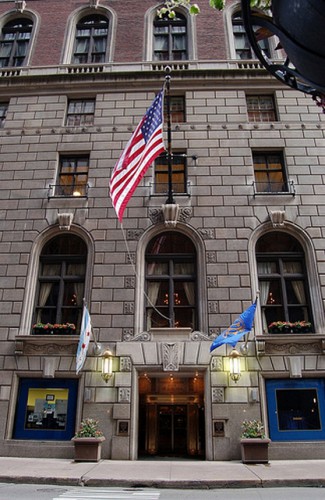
(153, 117)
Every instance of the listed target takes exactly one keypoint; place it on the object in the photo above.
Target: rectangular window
(261, 108)
(178, 174)
(73, 176)
(269, 172)
(177, 109)
(296, 409)
(80, 112)
(3, 113)
(46, 409)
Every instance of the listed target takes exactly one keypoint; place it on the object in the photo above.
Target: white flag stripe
(84, 340)
(132, 177)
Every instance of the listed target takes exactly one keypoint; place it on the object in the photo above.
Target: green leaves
(194, 9)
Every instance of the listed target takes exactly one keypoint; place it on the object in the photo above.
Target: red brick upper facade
(54, 24)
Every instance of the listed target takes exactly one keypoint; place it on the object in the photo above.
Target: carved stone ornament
(156, 215)
(293, 348)
(65, 220)
(218, 395)
(125, 364)
(124, 395)
(44, 346)
(128, 336)
(277, 218)
(170, 356)
(216, 364)
(197, 336)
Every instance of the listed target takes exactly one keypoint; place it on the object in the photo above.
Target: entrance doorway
(171, 416)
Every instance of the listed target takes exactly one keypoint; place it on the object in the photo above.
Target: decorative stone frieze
(45, 346)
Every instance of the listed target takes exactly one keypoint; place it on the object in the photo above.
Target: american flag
(145, 145)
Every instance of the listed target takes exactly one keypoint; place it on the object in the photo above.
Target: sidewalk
(162, 474)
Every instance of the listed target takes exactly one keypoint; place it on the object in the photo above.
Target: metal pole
(170, 199)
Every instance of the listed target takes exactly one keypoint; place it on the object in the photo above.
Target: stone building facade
(248, 179)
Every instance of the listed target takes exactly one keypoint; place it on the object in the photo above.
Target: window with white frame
(15, 42)
(170, 38)
(91, 40)
(283, 281)
(171, 282)
(61, 281)
(243, 49)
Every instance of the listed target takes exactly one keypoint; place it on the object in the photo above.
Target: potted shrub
(253, 443)
(301, 327)
(88, 441)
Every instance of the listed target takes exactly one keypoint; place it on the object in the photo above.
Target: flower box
(54, 329)
(287, 327)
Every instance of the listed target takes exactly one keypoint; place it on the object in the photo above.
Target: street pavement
(163, 474)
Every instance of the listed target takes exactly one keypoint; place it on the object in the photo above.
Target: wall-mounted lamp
(107, 365)
(234, 365)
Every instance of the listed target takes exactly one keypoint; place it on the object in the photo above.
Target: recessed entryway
(171, 415)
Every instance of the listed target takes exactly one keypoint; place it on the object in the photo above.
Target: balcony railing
(275, 188)
(67, 191)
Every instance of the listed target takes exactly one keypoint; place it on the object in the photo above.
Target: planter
(302, 35)
(53, 331)
(255, 450)
(88, 449)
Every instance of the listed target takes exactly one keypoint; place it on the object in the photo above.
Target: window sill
(170, 334)
(38, 345)
(290, 343)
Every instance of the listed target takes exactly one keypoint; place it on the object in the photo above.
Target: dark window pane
(298, 409)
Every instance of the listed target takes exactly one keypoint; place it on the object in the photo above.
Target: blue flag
(243, 324)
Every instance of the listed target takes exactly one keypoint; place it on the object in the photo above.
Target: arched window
(243, 48)
(170, 38)
(91, 40)
(171, 282)
(61, 281)
(282, 277)
(14, 42)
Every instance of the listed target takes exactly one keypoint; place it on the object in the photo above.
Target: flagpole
(170, 199)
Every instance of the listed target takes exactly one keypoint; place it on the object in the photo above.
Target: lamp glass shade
(107, 365)
(234, 365)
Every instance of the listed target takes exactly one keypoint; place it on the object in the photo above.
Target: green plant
(194, 8)
(89, 428)
(253, 429)
(59, 326)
